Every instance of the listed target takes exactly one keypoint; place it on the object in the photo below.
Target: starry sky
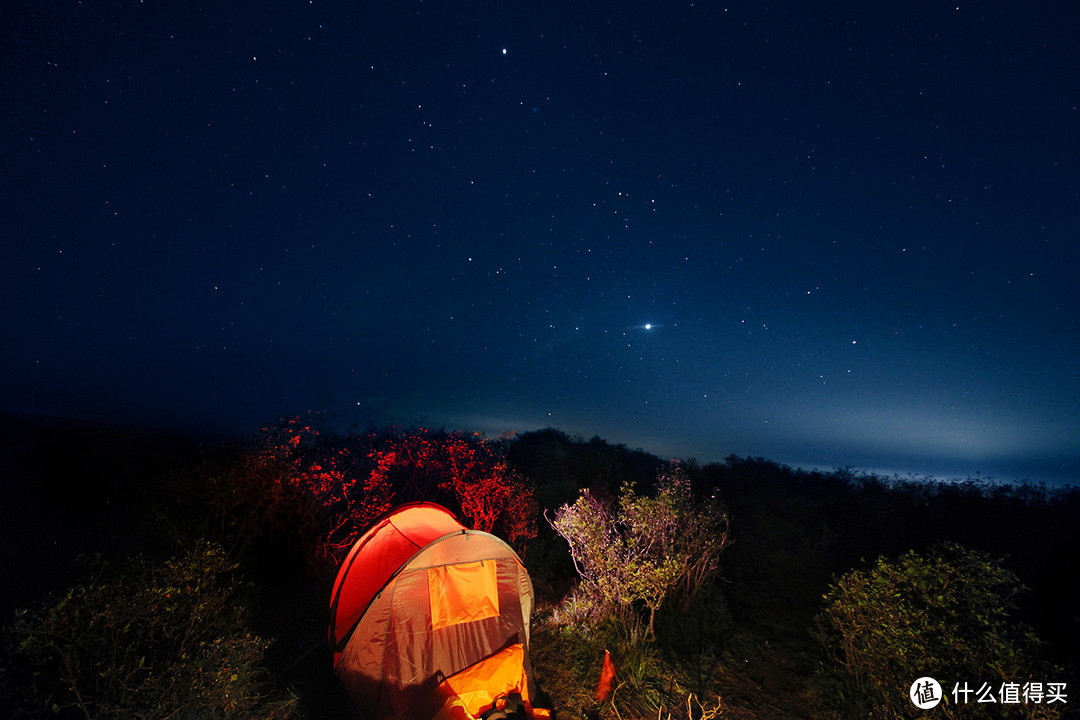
(829, 234)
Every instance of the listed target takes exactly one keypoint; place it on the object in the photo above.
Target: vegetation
(340, 484)
(943, 614)
(148, 640)
(642, 550)
(219, 560)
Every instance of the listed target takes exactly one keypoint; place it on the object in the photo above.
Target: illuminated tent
(428, 619)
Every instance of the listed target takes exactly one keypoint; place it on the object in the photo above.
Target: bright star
(644, 326)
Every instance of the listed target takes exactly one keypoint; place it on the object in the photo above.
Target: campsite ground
(761, 673)
(767, 684)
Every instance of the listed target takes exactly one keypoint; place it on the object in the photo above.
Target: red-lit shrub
(469, 473)
(343, 483)
(321, 475)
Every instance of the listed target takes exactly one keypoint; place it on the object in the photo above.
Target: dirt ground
(769, 684)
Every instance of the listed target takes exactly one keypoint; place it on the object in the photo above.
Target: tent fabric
(474, 691)
(462, 593)
(420, 599)
(501, 674)
(378, 554)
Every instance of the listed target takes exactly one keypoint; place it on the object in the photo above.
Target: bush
(944, 615)
(237, 501)
(643, 550)
(152, 640)
(341, 484)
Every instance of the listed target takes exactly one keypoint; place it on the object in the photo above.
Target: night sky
(828, 234)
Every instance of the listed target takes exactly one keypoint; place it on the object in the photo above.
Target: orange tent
(431, 620)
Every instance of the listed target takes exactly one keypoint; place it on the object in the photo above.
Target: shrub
(944, 614)
(340, 484)
(235, 501)
(469, 472)
(152, 640)
(642, 550)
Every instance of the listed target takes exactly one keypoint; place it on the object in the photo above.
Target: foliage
(560, 465)
(343, 483)
(943, 614)
(233, 501)
(643, 550)
(469, 469)
(152, 640)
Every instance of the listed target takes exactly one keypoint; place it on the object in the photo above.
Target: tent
(431, 620)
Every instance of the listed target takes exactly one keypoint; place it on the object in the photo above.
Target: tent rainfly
(430, 621)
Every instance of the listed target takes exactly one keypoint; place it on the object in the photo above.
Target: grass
(702, 667)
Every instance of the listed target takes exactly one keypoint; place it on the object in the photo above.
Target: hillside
(72, 490)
